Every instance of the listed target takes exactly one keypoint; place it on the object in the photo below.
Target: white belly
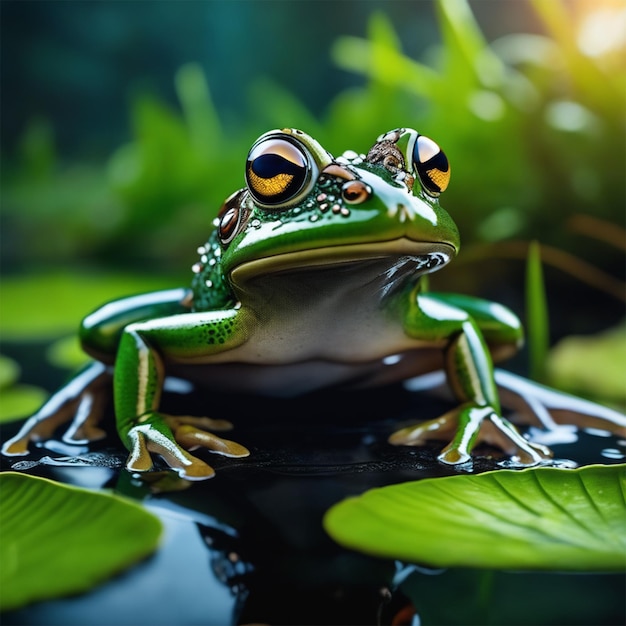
(298, 378)
(315, 330)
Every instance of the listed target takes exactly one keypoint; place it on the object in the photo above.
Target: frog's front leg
(144, 349)
(469, 369)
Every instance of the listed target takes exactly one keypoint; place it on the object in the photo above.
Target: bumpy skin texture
(310, 278)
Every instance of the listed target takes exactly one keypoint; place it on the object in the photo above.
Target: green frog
(309, 279)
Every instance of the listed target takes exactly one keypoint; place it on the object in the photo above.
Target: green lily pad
(59, 540)
(20, 401)
(67, 353)
(539, 518)
(9, 371)
(16, 400)
(592, 365)
(44, 306)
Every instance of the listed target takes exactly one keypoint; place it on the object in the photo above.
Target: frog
(312, 277)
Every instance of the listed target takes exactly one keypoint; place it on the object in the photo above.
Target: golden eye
(277, 171)
(431, 166)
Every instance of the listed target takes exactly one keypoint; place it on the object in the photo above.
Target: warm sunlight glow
(603, 30)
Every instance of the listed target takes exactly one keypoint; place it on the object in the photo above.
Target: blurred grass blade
(280, 108)
(466, 49)
(200, 114)
(599, 229)
(381, 59)
(537, 325)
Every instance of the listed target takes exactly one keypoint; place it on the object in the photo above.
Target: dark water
(248, 546)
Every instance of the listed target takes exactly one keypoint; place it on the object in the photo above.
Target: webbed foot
(467, 426)
(548, 410)
(171, 437)
(80, 404)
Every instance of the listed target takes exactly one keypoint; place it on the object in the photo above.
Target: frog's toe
(193, 432)
(441, 428)
(191, 438)
(16, 446)
(521, 452)
(39, 427)
(500, 433)
(84, 427)
(145, 439)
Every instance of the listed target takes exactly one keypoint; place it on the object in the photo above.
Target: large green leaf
(540, 518)
(58, 540)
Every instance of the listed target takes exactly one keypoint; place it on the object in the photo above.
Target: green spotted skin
(211, 290)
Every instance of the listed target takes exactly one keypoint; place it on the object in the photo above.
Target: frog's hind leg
(80, 402)
(553, 410)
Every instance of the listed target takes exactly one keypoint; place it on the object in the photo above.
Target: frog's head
(302, 209)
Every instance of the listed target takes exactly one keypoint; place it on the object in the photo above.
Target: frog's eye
(355, 191)
(431, 165)
(230, 217)
(278, 172)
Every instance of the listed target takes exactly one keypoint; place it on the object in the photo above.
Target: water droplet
(613, 453)
(563, 464)
(598, 432)
(392, 359)
(559, 434)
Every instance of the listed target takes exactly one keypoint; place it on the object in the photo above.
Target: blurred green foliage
(592, 365)
(533, 126)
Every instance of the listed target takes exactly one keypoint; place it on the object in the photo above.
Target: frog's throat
(428, 257)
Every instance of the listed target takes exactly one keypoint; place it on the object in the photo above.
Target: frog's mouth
(415, 258)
